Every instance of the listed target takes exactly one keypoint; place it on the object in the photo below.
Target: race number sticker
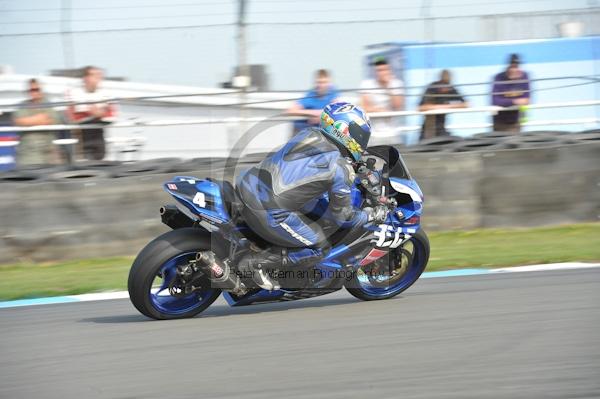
(200, 200)
(387, 236)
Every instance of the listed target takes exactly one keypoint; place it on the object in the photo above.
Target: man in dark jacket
(511, 89)
(439, 95)
(279, 192)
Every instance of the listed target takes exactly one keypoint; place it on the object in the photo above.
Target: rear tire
(153, 257)
(418, 263)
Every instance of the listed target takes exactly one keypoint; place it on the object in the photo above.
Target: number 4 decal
(200, 200)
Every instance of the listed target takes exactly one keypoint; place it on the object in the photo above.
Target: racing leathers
(284, 188)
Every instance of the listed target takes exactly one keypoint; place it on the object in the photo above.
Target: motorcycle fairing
(328, 283)
(202, 197)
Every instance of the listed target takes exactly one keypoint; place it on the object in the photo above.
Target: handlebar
(370, 180)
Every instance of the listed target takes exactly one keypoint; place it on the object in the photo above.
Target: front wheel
(394, 273)
(152, 284)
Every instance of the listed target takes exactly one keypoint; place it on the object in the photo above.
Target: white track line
(551, 266)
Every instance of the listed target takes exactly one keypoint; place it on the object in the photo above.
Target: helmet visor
(359, 134)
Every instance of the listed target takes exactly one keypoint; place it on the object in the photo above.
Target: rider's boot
(257, 263)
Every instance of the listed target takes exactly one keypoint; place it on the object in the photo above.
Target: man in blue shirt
(314, 101)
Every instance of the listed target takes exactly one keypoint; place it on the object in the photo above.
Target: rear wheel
(394, 273)
(153, 284)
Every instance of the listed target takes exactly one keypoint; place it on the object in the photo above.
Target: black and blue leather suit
(287, 185)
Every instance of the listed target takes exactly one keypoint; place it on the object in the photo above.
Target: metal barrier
(376, 115)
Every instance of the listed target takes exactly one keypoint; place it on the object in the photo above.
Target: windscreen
(394, 166)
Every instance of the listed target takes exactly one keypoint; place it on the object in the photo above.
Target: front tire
(159, 259)
(415, 254)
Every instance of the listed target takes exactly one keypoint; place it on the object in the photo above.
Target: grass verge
(449, 250)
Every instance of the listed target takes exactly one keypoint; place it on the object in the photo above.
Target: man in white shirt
(91, 107)
(385, 93)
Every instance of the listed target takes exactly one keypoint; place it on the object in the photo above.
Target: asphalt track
(514, 335)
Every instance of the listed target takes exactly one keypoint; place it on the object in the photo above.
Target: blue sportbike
(182, 272)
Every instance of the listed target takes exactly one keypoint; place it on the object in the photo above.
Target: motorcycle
(182, 272)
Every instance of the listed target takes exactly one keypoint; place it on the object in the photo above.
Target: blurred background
(494, 104)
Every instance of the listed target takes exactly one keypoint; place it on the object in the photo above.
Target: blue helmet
(348, 125)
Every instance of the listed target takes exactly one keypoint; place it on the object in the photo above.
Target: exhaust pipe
(219, 273)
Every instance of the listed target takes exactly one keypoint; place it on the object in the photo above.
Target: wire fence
(233, 15)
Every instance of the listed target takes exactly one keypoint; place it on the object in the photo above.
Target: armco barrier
(60, 216)
(541, 186)
(63, 219)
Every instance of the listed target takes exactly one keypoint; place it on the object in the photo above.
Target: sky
(193, 42)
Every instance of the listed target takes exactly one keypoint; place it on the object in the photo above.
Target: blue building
(561, 70)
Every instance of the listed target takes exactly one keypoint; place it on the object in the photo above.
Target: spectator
(91, 108)
(511, 88)
(314, 101)
(383, 94)
(439, 95)
(36, 147)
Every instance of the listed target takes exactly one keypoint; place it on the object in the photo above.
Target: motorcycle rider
(279, 192)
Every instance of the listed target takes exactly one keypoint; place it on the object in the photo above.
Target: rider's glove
(377, 214)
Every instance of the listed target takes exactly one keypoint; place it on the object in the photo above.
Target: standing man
(311, 106)
(439, 95)
(91, 107)
(510, 89)
(36, 147)
(385, 93)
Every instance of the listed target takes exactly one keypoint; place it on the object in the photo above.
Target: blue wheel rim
(164, 302)
(415, 269)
